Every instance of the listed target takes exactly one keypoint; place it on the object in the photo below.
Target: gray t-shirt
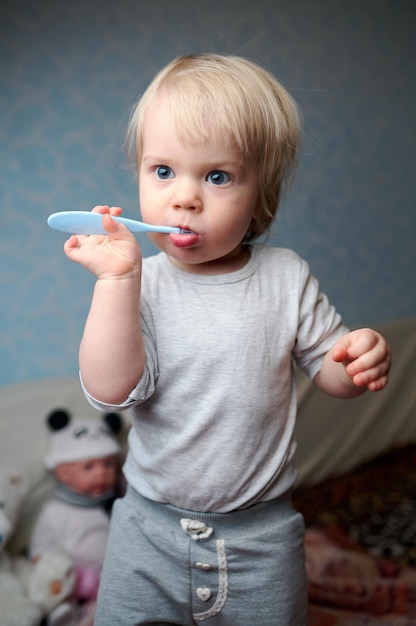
(214, 412)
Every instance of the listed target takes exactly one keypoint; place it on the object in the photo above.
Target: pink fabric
(347, 584)
(86, 584)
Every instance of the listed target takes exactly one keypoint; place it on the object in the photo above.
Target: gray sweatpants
(168, 566)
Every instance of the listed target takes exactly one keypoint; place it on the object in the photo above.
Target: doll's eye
(218, 177)
(164, 172)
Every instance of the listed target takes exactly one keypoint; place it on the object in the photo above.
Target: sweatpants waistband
(254, 519)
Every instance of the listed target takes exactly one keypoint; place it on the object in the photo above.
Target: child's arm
(358, 361)
(112, 349)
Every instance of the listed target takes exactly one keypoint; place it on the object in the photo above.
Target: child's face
(90, 477)
(200, 187)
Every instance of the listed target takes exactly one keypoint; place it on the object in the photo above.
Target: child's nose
(186, 195)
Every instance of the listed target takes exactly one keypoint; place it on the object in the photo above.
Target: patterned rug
(361, 544)
(374, 505)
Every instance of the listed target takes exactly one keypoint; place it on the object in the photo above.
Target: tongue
(184, 240)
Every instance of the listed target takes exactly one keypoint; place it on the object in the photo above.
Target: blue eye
(163, 172)
(217, 177)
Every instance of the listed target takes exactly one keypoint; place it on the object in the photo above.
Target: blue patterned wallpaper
(70, 72)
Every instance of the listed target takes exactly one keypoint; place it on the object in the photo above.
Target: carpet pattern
(374, 505)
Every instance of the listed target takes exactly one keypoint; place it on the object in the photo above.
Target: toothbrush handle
(140, 227)
(89, 223)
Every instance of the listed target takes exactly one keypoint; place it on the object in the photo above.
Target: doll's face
(89, 477)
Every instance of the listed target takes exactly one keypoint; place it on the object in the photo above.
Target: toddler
(199, 341)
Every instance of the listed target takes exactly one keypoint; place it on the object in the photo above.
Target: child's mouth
(186, 239)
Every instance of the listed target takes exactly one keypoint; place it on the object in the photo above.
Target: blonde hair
(236, 99)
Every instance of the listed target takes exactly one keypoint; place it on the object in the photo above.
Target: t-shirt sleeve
(319, 327)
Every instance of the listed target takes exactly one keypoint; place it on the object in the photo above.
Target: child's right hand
(113, 256)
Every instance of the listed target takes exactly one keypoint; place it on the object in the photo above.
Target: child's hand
(366, 357)
(116, 255)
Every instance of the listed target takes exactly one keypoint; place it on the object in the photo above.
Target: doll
(84, 456)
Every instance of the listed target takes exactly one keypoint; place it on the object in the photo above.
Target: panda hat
(81, 438)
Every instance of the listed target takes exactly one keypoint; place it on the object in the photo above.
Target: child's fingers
(357, 344)
(379, 384)
(366, 357)
(112, 227)
(370, 380)
(71, 244)
(376, 359)
(340, 349)
(116, 230)
(104, 208)
(362, 375)
(350, 347)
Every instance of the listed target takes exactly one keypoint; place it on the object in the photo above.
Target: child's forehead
(192, 122)
(167, 143)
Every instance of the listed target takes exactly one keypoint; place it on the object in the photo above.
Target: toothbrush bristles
(183, 231)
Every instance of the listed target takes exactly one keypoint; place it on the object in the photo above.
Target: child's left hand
(366, 358)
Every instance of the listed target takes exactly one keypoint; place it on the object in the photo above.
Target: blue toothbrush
(87, 223)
